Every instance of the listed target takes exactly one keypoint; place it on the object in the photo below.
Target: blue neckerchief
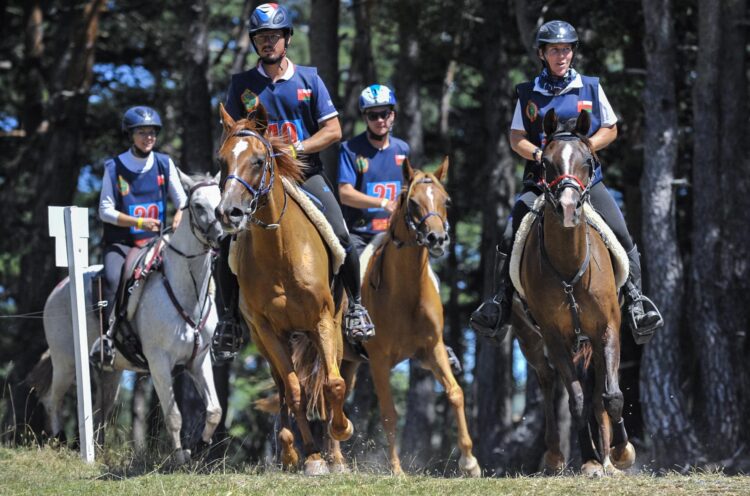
(554, 84)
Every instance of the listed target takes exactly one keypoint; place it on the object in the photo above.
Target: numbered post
(70, 228)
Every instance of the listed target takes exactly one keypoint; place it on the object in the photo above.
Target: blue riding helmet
(140, 116)
(376, 95)
(556, 32)
(270, 16)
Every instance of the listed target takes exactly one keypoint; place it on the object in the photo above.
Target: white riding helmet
(376, 95)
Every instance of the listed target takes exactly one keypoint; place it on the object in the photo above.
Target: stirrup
(102, 354)
(644, 333)
(227, 340)
(489, 319)
(358, 327)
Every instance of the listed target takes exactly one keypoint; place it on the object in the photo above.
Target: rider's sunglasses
(261, 39)
(383, 114)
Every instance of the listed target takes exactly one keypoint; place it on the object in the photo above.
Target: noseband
(267, 177)
(553, 189)
(417, 227)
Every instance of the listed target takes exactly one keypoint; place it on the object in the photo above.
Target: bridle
(199, 232)
(420, 236)
(267, 178)
(553, 189)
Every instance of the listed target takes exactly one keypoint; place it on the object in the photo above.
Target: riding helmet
(376, 95)
(270, 16)
(556, 32)
(140, 116)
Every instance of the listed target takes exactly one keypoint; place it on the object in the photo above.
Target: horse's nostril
(235, 213)
(218, 212)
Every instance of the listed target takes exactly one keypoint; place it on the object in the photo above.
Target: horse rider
(301, 110)
(561, 88)
(370, 168)
(132, 204)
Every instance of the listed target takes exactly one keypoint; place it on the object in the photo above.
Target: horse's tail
(584, 353)
(311, 372)
(40, 377)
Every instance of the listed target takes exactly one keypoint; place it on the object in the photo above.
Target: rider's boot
(490, 318)
(228, 336)
(642, 321)
(358, 326)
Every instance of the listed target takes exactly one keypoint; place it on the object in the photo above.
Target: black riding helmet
(556, 32)
(140, 116)
(267, 17)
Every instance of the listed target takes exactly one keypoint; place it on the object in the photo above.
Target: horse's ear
(226, 119)
(187, 181)
(583, 123)
(407, 171)
(259, 116)
(442, 172)
(550, 122)
(217, 177)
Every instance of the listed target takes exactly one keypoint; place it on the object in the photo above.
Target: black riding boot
(642, 322)
(228, 335)
(490, 318)
(358, 326)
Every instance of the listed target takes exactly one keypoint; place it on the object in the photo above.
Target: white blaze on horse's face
(569, 196)
(431, 196)
(239, 147)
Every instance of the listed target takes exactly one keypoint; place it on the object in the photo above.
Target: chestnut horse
(404, 303)
(284, 273)
(568, 279)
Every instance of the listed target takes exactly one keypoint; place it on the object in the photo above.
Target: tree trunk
(197, 143)
(324, 54)
(717, 389)
(409, 123)
(362, 70)
(664, 404)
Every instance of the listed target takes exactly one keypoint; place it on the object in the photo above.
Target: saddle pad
(619, 257)
(369, 251)
(318, 220)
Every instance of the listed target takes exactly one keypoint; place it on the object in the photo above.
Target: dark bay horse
(404, 302)
(284, 273)
(569, 283)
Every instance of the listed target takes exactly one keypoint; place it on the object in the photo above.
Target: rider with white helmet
(133, 202)
(561, 88)
(370, 167)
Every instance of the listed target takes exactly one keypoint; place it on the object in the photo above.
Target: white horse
(166, 337)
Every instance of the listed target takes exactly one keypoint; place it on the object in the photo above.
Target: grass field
(50, 472)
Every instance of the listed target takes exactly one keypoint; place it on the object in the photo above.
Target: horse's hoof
(592, 469)
(290, 459)
(610, 469)
(181, 457)
(554, 463)
(623, 458)
(341, 436)
(339, 468)
(316, 467)
(469, 466)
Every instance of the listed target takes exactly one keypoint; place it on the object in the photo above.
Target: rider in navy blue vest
(561, 88)
(299, 109)
(133, 203)
(370, 168)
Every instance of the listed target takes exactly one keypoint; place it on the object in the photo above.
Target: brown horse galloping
(284, 274)
(405, 305)
(568, 279)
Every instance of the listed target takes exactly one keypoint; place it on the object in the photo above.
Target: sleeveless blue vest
(535, 105)
(138, 195)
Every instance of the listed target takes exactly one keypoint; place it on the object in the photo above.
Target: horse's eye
(448, 203)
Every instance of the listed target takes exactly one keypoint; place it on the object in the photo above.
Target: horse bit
(263, 189)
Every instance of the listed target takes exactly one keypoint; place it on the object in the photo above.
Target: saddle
(617, 252)
(139, 263)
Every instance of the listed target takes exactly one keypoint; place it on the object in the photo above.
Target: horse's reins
(263, 189)
(551, 191)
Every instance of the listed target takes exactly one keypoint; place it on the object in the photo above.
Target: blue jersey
(295, 106)
(375, 173)
(535, 105)
(138, 195)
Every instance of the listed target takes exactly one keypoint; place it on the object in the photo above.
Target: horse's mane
(286, 164)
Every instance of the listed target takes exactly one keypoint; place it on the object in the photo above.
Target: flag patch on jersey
(362, 164)
(400, 159)
(160, 179)
(586, 105)
(123, 186)
(304, 95)
(249, 100)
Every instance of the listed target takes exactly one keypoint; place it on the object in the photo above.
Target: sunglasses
(261, 39)
(373, 116)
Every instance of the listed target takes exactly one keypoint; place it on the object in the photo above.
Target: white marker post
(70, 228)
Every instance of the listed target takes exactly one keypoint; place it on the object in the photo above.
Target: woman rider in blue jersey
(561, 88)
(299, 108)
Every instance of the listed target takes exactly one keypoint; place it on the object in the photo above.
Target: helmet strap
(138, 152)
